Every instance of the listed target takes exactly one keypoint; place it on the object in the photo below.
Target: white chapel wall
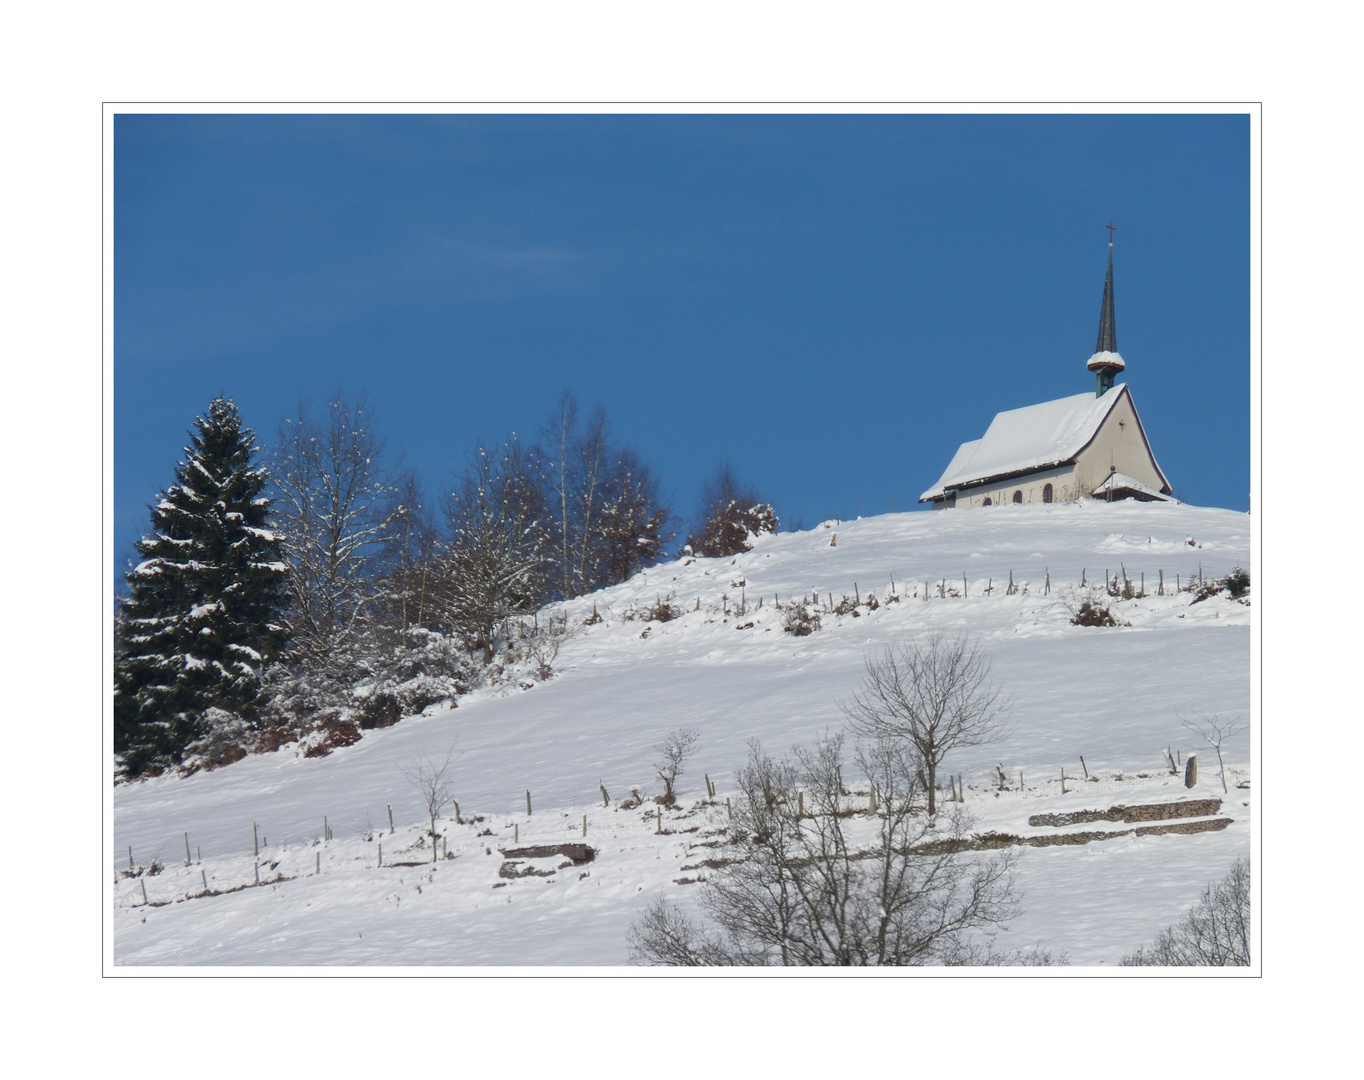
(1118, 446)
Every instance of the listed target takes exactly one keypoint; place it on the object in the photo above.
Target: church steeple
(1106, 363)
(1108, 326)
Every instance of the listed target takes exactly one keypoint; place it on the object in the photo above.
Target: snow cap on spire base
(1106, 359)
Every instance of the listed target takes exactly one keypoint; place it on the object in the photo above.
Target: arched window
(987, 501)
(1018, 496)
(1046, 494)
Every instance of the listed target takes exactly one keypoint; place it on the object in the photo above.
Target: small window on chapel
(987, 501)
(1018, 496)
(1046, 494)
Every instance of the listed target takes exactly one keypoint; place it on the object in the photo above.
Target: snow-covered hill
(725, 667)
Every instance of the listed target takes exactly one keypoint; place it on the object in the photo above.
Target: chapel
(1090, 446)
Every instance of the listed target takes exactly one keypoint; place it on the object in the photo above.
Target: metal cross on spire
(1111, 230)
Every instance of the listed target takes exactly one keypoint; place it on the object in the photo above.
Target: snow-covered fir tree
(204, 615)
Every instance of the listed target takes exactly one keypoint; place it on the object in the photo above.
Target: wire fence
(177, 870)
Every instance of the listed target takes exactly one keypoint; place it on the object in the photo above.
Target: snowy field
(725, 667)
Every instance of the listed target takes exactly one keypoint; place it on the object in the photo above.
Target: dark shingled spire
(1108, 326)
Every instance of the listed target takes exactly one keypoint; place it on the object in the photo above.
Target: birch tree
(338, 507)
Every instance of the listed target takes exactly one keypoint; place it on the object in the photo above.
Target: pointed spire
(1108, 326)
(1106, 363)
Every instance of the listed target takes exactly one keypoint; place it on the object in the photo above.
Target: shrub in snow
(800, 619)
(379, 709)
(330, 730)
(225, 739)
(1237, 583)
(422, 667)
(1090, 613)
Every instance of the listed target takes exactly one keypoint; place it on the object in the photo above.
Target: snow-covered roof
(1116, 481)
(1034, 437)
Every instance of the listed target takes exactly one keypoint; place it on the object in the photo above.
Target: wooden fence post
(381, 853)
(605, 798)
(255, 839)
(1063, 779)
(390, 819)
(143, 883)
(1191, 771)
(584, 824)
(527, 804)
(458, 820)
(1084, 766)
(187, 858)
(203, 876)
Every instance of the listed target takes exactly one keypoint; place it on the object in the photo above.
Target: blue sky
(832, 303)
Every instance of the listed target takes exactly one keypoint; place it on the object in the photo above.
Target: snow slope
(1111, 695)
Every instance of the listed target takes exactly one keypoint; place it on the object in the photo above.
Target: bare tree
(410, 559)
(433, 783)
(337, 507)
(664, 936)
(607, 517)
(933, 695)
(1214, 730)
(493, 568)
(805, 887)
(1214, 933)
(545, 638)
(673, 751)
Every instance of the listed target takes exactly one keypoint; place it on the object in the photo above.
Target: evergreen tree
(205, 611)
